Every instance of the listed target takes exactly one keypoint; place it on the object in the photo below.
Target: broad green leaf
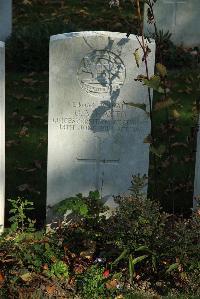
(137, 105)
(153, 82)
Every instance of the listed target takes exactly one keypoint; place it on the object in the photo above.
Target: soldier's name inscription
(102, 117)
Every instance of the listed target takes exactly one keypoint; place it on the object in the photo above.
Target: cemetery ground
(96, 257)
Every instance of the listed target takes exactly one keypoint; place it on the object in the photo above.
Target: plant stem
(145, 52)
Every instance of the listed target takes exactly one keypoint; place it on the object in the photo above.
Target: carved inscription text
(84, 116)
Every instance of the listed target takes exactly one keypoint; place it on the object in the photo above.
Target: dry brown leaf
(31, 74)
(38, 164)
(23, 132)
(50, 289)
(27, 187)
(27, 98)
(2, 277)
(10, 143)
(19, 96)
(27, 2)
(112, 284)
(36, 117)
(31, 170)
(45, 267)
(176, 144)
(29, 81)
(23, 187)
(175, 114)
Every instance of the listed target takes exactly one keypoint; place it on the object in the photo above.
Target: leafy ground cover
(134, 253)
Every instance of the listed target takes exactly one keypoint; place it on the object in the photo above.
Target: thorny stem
(145, 52)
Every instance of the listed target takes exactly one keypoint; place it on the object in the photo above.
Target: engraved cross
(99, 162)
(175, 4)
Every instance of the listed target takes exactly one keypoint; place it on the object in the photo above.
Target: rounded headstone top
(92, 34)
(2, 44)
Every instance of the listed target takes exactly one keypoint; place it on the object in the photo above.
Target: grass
(27, 106)
(26, 138)
(86, 14)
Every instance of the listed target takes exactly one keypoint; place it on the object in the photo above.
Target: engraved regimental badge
(101, 72)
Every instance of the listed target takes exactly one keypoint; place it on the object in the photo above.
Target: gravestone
(197, 172)
(95, 140)
(5, 19)
(179, 17)
(2, 134)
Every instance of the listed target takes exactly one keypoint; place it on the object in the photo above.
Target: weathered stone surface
(95, 140)
(179, 17)
(197, 173)
(5, 19)
(2, 134)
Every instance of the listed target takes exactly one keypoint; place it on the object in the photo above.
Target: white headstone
(95, 141)
(197, 172)
(179, 17)
(5, 19)
(2, 134)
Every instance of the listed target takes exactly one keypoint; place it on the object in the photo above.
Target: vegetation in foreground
(137, 252)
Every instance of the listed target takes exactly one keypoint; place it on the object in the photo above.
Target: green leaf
(94, 195)
(83, 210)
(175, 114)
(153, 82)
(131, 269)
(122, 255)
(158, 151)
(154, 262)
(26, 277)
(138, 259)
(161, 69)
(137, 57)
(142, 248)
(138, 105)
(172, 267)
